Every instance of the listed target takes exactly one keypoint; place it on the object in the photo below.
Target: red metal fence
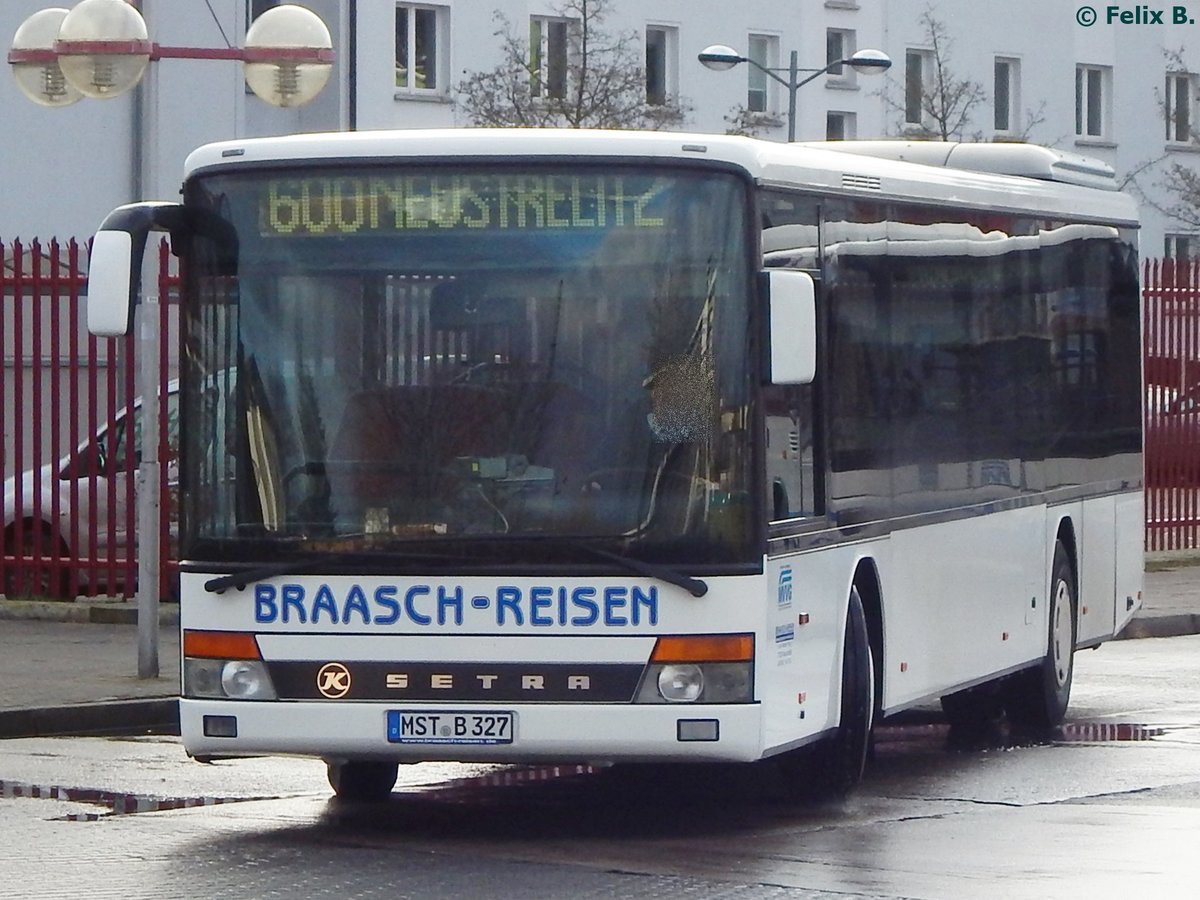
(1171, 341)
(71, 422)
(71, 441)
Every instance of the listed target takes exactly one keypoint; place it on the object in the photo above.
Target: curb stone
(1161, 626)
(156, 715)
(96, 613)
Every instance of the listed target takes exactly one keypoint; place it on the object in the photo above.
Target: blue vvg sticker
(424, 605)
(785, 587)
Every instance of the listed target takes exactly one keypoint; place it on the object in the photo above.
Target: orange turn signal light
(220, 645)
(693, 648)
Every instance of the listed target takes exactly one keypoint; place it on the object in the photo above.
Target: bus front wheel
(834, 766)
(362, 781)
(1036, 699)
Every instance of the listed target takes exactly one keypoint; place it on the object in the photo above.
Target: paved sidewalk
(71, 668)
(1170, 601)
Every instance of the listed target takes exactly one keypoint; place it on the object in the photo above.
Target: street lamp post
(101, 49)
(720, 58)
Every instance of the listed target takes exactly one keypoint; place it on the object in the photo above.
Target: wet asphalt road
(1110, 809)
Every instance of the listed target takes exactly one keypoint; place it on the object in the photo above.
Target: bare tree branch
(946, 101)
(606, 80)
(748, 123)
(1179, 181)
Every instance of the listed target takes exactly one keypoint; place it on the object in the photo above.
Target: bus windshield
(379, 355)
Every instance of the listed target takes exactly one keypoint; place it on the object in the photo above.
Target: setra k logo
(333, 680)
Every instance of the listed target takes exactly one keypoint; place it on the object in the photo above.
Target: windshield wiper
(247, 576)
(693, 586)
(250, 574)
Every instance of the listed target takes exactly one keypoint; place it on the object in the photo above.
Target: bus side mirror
(792, 309)
(111, 287)
(115, 265)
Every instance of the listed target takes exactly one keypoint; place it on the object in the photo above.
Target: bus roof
(1002, 177)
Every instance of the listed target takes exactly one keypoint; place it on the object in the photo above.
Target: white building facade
(1038, 71)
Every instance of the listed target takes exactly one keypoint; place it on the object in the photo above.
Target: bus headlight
(680, 684)
(226, 665)
(700, 668)
(698, 683)
(227, 679)
(246, 680)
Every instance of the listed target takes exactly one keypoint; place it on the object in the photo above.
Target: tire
(1036, 700)
(42, 580)
(834, 766)
(362, 781)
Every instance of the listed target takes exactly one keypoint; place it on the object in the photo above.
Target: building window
(1091, 101)
(839, 45)
(840, 126)
(764, 50)
(1178, 99)
(549, 56)
(417, 61)
(918, 68)
(660, 63)
(1181, 246)
(1006, 93)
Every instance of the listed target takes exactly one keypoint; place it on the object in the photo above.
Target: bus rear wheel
(1036, 699)
(834, 766)
(362, 781)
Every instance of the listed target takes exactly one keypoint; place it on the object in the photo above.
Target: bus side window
(789, 441)
(790, 239)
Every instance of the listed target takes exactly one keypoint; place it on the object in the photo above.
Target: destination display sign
(353, 204)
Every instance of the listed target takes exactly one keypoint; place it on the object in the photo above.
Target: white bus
(529, 445)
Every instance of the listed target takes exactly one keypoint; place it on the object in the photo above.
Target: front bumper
(542, 733)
